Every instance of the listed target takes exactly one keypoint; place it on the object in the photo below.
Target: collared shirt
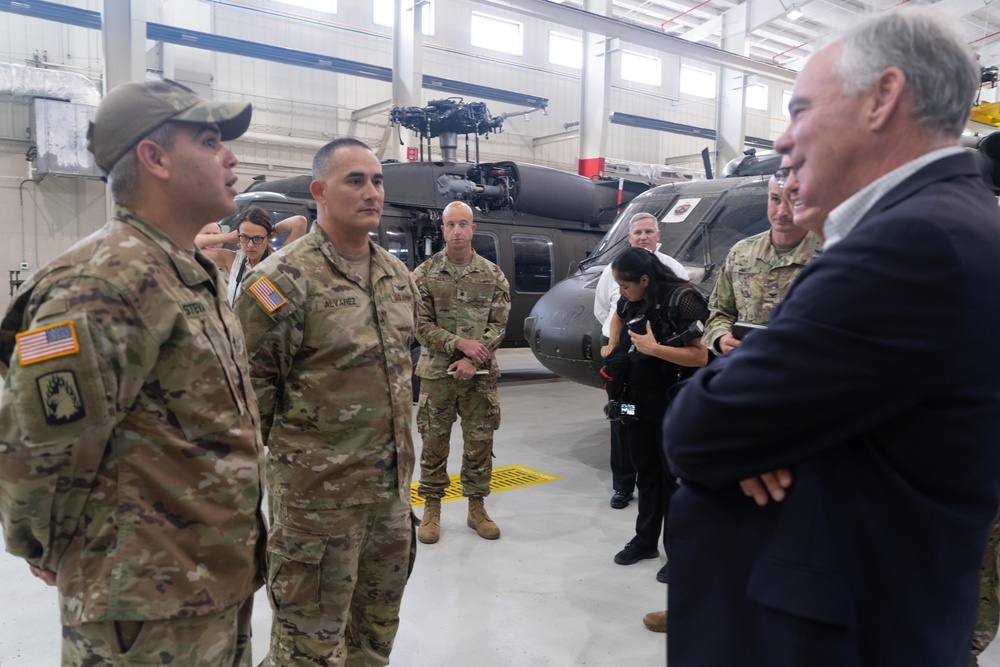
(845, 217)
(130, 455)
(330, 359)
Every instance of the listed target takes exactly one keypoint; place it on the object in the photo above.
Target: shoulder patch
(268, 295)
(49, 342)
(61, 399)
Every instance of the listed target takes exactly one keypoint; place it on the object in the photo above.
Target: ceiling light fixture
(795, 14)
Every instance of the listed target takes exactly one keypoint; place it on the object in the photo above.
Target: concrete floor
(547, 593)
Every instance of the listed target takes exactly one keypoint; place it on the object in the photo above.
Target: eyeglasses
(256, 240)
(781, 176)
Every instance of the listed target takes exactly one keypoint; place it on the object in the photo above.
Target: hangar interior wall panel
(313, 104)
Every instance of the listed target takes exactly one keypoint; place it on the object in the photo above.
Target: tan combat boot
(480, 521)
(655, 621)
(430, 526)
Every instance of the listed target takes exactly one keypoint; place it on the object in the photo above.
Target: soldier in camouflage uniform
(329, 321)
(988, 610)
(758, 272)
(130, 453)
(461, 319)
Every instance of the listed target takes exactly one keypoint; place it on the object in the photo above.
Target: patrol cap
(132, 110)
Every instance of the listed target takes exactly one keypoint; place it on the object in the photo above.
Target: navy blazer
(877, 383)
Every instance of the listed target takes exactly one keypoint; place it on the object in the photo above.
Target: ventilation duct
(19, 80)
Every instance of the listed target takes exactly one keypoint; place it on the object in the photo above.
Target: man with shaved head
(461, 319)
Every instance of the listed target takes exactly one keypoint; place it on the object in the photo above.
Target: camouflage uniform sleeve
(429, 334)
(721, 307)
(499, 312)
(74, 375)
(272, 338)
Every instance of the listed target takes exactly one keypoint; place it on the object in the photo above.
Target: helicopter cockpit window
(740, 217)
(532, 263)
(396, 243)
(485, 246)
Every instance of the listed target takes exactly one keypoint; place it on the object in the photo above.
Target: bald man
(461, 319)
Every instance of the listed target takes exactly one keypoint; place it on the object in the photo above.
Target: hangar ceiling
(776, 39)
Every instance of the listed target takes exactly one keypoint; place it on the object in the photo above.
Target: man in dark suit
(866, 432)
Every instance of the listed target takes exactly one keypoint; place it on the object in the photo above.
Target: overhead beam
(712, 26)
(371, 110)
(554, 138)
(157, 32)
(653, 39)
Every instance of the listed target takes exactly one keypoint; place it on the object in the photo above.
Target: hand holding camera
(641, 333)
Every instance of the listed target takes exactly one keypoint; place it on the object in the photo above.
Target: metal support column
(407, 71)
(731, 119)
(594, 104)
(124, 36)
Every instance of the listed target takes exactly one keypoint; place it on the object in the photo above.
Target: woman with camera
(659, 322)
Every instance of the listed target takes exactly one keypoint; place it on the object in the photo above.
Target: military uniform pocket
(293, 569)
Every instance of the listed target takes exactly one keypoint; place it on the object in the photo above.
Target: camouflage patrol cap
(132, 110)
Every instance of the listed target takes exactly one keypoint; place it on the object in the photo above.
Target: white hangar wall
(45, 216)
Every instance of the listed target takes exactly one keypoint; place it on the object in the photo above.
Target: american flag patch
(55, 340)
(268, 296)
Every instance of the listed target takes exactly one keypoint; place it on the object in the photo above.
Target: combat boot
(480, 521)
(430, 526)
(655, 621)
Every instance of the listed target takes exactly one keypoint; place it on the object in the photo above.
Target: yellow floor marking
(505, 478)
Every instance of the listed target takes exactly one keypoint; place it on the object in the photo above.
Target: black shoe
(620, 500)
(661, 576)
(633, 553)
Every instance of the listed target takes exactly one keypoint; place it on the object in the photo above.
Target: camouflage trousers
(477, 403)
(988, 611)
(335, 579)
(215, 640)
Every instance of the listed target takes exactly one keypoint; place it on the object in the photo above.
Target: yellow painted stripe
(505, 478)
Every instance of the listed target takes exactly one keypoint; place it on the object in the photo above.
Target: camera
(637, 325)
(619, 411)
(683, 338)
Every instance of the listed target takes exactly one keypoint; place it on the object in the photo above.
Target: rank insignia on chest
(55, 340)
(269, 297)
(61, 401)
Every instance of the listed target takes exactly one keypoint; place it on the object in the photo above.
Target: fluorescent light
(794, 15)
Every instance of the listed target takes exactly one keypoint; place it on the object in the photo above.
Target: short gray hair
(123, 179)
(642, 216)
(942, 74)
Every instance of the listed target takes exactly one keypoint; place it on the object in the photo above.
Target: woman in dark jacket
(660, 317)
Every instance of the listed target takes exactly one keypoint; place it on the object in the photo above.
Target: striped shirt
(845, 217)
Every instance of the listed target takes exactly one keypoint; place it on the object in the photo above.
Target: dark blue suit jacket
(878, 384)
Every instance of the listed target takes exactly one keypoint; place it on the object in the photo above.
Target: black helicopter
(699, 223)
(535, 222)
